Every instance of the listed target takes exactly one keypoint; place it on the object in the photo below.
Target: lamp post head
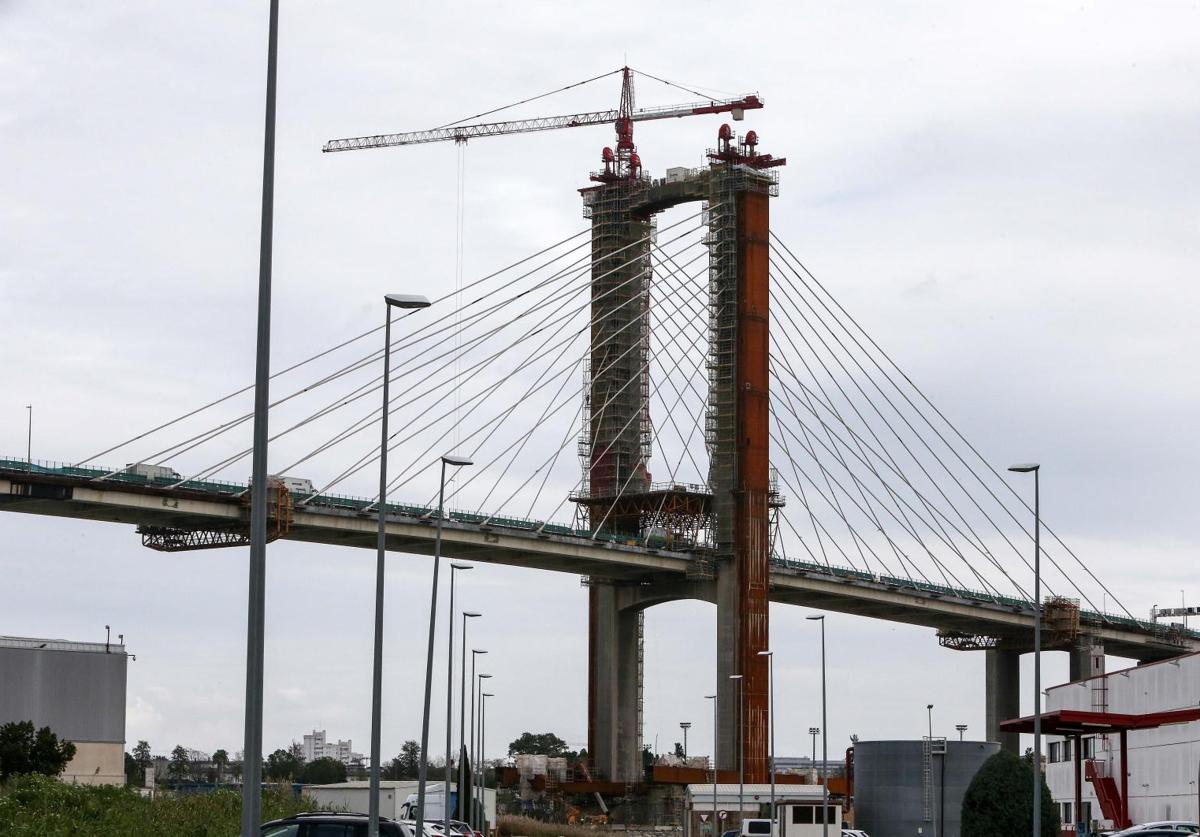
(457, 461)
(484, 676)
(1025, 468)
(471, 614)
(929, 706)
(820, 618)
(461, 567)
(478, 650)
(488, 694)
(735, 677)
(685, 724)
(406, 301)
(814, 730)
(710, 697)
(766, 653)
(961, 727)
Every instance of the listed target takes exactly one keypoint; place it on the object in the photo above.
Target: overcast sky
(1006, 196)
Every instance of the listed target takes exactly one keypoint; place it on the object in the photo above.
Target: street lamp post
(716, 721)
(741, 754)
(813, 731)
(929, 709)
(476, 785)
(390, 301)
(771, 714)
(685, 726)
(483, 823)
(462, 713)
(824, 734)
(454, 568)
(457, 462)
(961, 729)
(1037, 643)
(471, 747)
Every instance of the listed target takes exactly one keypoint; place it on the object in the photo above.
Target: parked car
(332, 824)
(1175, 827)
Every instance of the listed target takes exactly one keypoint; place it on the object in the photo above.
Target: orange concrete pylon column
(751, 521)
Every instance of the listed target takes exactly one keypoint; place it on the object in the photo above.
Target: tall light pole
(29, 443)
(462, 714)
(471, 747)
(771, 715)
(478, 797)
(454, 568)
(1037, 643)
(741, 753)
(929, 710)
(483, 823)
(824, 733)
(406, 302)
(716, 721)
(257, 580)
(685, 726)
(961, 729)
(457, 462)
(813, 731)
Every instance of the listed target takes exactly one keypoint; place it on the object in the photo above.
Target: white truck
(152, 472)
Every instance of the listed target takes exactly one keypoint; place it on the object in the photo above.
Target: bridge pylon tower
(730, 517)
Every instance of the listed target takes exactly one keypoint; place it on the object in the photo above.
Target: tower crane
(623, 163)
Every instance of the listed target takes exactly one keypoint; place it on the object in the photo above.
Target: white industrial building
(78, 690)
(1154, 702)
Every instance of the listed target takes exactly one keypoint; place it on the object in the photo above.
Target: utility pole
(29, 439)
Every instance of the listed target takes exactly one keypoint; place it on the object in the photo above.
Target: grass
(512, 826)
(37, 806)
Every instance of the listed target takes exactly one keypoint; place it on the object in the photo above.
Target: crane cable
(527, 101)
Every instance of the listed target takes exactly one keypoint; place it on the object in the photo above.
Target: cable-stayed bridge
(674, 410)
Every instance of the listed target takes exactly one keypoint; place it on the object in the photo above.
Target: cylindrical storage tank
(900, 791)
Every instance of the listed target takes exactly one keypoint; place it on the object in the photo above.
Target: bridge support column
(614, 686)
(1003, 695)
(1087, 658)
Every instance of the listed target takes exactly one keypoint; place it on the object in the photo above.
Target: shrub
(999, 801)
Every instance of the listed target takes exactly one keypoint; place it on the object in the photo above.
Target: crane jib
(462, 133)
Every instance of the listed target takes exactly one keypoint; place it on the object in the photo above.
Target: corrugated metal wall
(78, 694)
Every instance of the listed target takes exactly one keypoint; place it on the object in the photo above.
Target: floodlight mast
(622, 118)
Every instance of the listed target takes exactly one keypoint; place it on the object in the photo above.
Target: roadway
(344, 522)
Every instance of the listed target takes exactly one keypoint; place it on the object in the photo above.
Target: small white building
(799, 808)
(356, 797)
(1163, 761)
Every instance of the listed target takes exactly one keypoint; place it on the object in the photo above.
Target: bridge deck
(73, 492)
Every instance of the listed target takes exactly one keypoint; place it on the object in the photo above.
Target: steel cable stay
(896, 551)
(827, 403)
(317, 356)
(1066, 577)
(818, 524)
(999, 478)
(945, 539)
(629, 324)
(981, 543)
(363, 362)
(479, 472)
(804, 500)
(536, 308)
(372, 385)
(362, 391)
(633, 471)
(422, 333)
(552, 349)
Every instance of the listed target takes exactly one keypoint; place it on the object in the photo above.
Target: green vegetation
(405, 765)
(999, 801)
(25, 750)
(322, 771)
(543, 744)
(36, 806)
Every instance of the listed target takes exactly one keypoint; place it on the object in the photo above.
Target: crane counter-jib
(461, 133)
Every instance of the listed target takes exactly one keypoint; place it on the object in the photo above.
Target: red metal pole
(1124, 781)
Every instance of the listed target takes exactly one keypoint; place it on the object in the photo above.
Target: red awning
(1076, 722)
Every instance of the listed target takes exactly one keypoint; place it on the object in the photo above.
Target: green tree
(647, 757)
(220, 761)
(999, 801)
(179, 767)
(543, 744)
(282, 765)
(407, 764)
(322, 771)
(26, 750)
(678, 750)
